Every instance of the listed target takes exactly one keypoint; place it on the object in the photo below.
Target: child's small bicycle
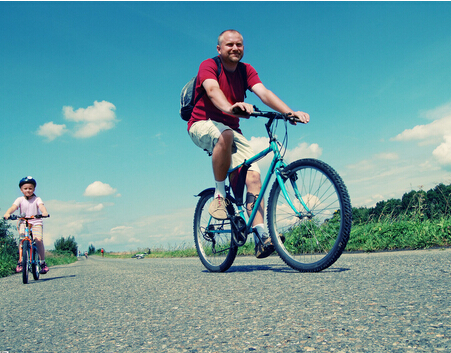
(31, 261)
(309, 213)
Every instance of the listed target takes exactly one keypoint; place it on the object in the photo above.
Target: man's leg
(222, 155)
(221, 159)
(253, 184)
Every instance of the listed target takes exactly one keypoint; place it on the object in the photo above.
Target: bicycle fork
(281, 176)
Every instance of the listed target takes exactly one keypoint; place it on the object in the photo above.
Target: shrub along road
(377, 302)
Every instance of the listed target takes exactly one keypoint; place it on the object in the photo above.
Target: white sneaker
(218, 208)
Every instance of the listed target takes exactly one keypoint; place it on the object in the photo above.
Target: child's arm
(11, 210)
(43, 210)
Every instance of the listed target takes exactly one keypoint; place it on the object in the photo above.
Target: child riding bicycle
(30, 205)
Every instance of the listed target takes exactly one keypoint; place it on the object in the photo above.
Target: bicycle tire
(216, 251)
(35, 264)
(25, 260)
(316, 240)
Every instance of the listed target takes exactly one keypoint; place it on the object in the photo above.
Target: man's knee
(226, 138)
(253, 179)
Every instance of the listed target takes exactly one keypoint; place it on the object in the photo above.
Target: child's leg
(37, 235)
(21, 234)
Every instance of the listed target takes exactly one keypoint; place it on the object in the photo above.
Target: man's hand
(242, 109)
(300, 117)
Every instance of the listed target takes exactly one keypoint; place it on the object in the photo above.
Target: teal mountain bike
(309, 213)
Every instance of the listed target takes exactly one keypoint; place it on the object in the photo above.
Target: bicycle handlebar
(13, 217)
(270, 115)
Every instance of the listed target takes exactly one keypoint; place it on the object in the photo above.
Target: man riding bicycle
(214, 124)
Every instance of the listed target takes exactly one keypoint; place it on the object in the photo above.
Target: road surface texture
(377, 302)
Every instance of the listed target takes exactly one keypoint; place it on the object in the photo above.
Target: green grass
(405, 233)
(54, 258)
(184, 250)
(384, 234)
(8, 262)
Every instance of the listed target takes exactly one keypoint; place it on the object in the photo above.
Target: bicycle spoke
(314, 240)
(213, 238)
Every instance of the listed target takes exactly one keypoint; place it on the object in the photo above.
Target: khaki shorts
(36, 230)
(205, 134)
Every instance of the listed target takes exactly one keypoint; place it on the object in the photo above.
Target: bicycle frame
(29, 236)
(276, 167)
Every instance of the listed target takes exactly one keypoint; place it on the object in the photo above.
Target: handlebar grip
(41, 216)
(238, 110)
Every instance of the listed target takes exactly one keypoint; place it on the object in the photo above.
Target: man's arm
(274, 102)
(220, 101)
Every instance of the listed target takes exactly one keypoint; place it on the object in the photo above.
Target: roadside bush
(66, 245)
(9, 251)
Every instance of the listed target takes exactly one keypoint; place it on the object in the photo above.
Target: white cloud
(79, 221)
(431, 132)
(438, 112)
(51, 131)
(93, 119)
(98, 188)
(302, 150)
(437, 132)
(96, 208)
(443, 151)
(88, 121)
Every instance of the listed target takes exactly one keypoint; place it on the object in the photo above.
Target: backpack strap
(218, 64)
(242, 69)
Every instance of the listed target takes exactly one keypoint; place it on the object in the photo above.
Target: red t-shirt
(231, 83)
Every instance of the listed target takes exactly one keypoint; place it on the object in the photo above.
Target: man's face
(231, 48)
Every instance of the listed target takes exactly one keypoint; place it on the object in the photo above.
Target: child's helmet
(27, 180)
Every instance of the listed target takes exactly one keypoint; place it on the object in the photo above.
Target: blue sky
(89, 96)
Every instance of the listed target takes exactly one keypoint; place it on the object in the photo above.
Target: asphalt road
(382, 302)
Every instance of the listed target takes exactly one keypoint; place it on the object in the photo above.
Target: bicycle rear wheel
(25, 260)
(213, 237)
(314, 237)
(35, 264)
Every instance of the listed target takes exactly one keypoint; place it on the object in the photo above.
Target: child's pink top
(29, 207)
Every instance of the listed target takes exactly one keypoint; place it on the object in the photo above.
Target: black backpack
(187, 99)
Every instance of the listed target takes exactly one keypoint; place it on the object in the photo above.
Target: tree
(439, 201)
(66, 245)
(91, 249)
(360, 215)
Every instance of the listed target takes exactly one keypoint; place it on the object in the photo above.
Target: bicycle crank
(239, 230)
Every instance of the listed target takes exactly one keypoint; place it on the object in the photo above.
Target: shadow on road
(52, 278)
(280, 269)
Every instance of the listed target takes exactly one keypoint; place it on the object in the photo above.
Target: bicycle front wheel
(35, 264)
(25, 260)
(213, 237)
(313, 235)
